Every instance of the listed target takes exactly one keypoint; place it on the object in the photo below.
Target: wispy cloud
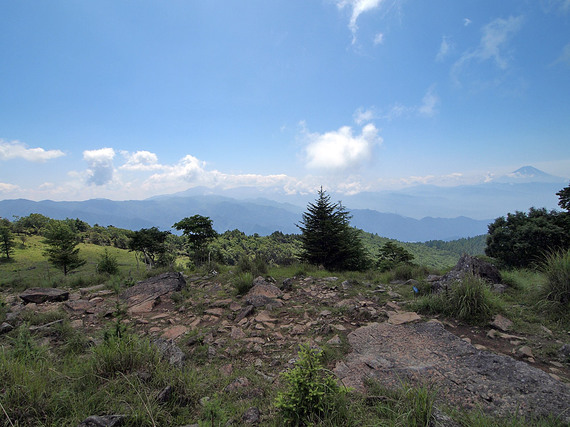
(466, 22)
(444, 49)
(494, 41)
(340, 150)
(564, 57)
(357, 7)
(429, 103)
(379, 39)
(362, 116)
(100, 165)
(17, 149)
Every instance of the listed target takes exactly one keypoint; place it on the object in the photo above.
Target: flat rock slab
(464, 376)
(156, 286)
(41, 295)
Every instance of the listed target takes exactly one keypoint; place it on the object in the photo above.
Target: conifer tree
(327, 237)
(6, 238)
(62, 251)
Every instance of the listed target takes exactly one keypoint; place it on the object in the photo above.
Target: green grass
(30, 268)
(556, 290)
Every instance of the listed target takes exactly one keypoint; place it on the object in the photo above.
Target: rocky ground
(491, 366)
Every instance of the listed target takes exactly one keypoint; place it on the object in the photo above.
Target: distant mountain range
(446, 212)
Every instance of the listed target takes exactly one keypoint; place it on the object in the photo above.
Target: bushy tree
(199, 232)
(62, 248)
(327, 238)
(150, 245)
(6, 238)
(390, 255)
(522, 239)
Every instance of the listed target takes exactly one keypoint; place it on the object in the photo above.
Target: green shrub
(556, 290)
(312, 393)
(243, 283)
(107, 263)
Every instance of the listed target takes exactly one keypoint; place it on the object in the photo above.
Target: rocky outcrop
(464, 376)
(468, 265)
(142, 297)
(41, 295)
(263, 294)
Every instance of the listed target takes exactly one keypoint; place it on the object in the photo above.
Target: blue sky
(126, 100)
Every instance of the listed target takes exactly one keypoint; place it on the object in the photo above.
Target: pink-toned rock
(80, 306)
(237, 333)
(144, 306)
(264, 316)
(215, 311)
(403, 317)
(174, 332)
(502, 323)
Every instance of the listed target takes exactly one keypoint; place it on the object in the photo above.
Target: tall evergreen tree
(327, 237)
(62, 251)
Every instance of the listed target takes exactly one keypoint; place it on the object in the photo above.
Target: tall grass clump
(243, 282)
(470, 300)
(556, 290)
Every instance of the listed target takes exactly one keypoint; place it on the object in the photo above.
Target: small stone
(227, 370)
(237, 333)
(546, 330)
(5, 327)
(556, 377)
(492, 334)
(467, 340)
(403, 317)
(339, 327)
(480, 347)
(165, 394)
(525, 351)
(502, 323)
(104, 421)
(557, 364)
(334, 340)
(237, 384)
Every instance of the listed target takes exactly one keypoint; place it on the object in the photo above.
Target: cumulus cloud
(341, 150)
(17, 149)
(492, 46)
(429, 103)
(358, 7)
(140, 161)
(444, 49)
(100, 165)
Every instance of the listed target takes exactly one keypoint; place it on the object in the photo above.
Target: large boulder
(263, 294)
(468, 265)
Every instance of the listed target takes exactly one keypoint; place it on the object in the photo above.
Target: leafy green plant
(312, 391)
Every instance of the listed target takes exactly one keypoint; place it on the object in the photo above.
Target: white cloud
(362, 116)
(444, 49)
(100, 165)
(492, 46)
(358, 7)
(340, 150)
(6, 188)
(140, 161)
(379, 38)
(466, 22)
(17, 149)
(429, 103)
